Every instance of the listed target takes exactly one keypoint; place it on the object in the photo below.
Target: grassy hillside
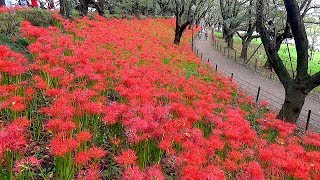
(116, 99)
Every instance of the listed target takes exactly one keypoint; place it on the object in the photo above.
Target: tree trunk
(101, 7)
(244, 50)
(268, 65)
(65, 8)
(229, 40)
(292, 106)
(84, 6)
(154, 8)
(177, 35)
(228, 36)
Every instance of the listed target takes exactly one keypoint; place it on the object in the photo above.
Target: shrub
(37, 17)
(11, 20)
(10, 24)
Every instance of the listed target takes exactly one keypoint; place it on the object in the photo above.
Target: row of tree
(275, 21)
(185, 11)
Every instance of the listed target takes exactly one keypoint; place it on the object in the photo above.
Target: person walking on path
(199, 35)
(206, 35)
(23, 3)
(51, 5)
(34, 3)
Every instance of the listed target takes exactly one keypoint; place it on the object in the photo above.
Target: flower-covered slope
(116, 99)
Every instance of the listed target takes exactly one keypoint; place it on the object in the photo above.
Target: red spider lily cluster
(116, 99)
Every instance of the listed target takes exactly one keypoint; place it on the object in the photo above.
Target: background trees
(187, 12)
(298, 87)
(232, 16)
(249, 25)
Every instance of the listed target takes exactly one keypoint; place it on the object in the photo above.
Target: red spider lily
(92, 173)
(123, 80)
(96, 153)
(312, 139)
(84, 136)
(58, 125)
(82, 158)
(13, 137)
(126, 158)
(12, 63)
(154, 172)
(25, 163)
(61, 146)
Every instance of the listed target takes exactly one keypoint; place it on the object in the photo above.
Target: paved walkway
(248, 80)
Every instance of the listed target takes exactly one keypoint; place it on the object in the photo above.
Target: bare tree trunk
(228, 36)
(294, 101)
(177, 36)
(65, 8)
(99, 6)
(229, 40)
(84, 6)
(244, 50)
(154, 8)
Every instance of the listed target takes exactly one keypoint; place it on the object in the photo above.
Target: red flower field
(115, 99)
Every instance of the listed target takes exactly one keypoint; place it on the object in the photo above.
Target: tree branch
(300, 37)
(313, 81)
(271, 51)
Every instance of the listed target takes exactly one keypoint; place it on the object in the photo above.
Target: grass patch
(313, 66)
(191, 69)
(205, 127)
(148, 153)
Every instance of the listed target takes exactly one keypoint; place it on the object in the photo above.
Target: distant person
(34, 3)
(8, 3)
(23, 3)
(206, 35)
(43, 5)
(51, 4)
(199, 35)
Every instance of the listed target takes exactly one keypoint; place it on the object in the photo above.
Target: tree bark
(65, 8)
(179, 31)
(294, 100)
(84, 6)
(268, 65)
(177, 36)
(229, 40)
(244, 50)
(228, 36)
(99, 6)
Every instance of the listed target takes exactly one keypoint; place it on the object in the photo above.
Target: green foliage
(19, 45)
(272, 134)
(192, 69)
(205, 127)
(177, 146)
(166, 60)
(148, 153)
(37, 17)
(10, 22)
